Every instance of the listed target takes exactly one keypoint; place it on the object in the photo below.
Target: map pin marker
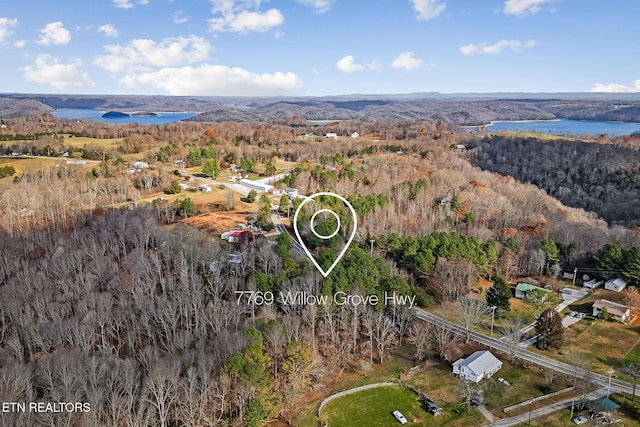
(354, 219)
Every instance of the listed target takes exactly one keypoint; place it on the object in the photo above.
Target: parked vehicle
(580, 420)
(401, 419)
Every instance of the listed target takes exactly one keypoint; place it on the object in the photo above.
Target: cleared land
(81, 141)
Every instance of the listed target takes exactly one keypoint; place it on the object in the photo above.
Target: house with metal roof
(523, 288)
(480, 365)
(616, 311)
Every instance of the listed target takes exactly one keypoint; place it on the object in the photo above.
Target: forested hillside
(601, 178)
(109, 297)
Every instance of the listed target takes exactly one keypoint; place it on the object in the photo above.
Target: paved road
(280, 228)
(524, 418)
(524, 354)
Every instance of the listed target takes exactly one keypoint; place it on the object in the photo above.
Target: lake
(89, 113)
(565, 126)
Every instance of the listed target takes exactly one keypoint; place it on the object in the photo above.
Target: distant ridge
(459, 108)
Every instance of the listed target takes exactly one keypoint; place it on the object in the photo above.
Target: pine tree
(499, 294)
(211, 168)
(549, 330)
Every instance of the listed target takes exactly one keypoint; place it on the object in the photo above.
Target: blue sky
(318, 47)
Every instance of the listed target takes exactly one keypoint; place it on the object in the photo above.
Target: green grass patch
(82, 141)
(374, 408)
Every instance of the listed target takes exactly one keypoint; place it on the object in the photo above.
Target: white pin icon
(325, 237)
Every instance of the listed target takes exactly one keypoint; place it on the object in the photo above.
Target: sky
(318, 47)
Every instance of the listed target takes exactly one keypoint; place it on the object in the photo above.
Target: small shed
(204, 188)
(592, 284)
(616, 285)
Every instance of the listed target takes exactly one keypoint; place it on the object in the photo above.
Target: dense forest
(600, 178)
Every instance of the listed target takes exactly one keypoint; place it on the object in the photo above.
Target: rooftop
(612, 307)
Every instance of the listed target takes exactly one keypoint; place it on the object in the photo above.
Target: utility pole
(371, 251)
(575, 273)
(610, 372)
(493, 313)
(530, 403)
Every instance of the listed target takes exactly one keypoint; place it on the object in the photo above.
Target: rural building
(355, 135)
(616, 285)
(332, 135)
(292, 193)
(235, 178)
(140, 165)
(432, 407)
(226, 234)
(235, 236)
(204, 188)
(189, 178)
(523, 288)
(480, 365)
(183, 186)
(603, 406)
(255, 185)
(592, 284)
(616, 311)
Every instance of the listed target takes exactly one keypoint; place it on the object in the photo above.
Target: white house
(592, 284)
(293, 193)
(204, 188)
(615, 285)
(616, 311)
(183, 186)
(480, 365)
(355, 135)
(332, 135)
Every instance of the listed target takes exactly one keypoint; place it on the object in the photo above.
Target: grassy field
(81, 141)
(374, 408)
(28, 165)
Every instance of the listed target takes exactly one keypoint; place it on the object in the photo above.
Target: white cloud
(141, 54)
(123, 4)
(348, 64)
(524, 7)
(496, 48)
(208, 79)
(319, 6)
(616, 87)
(109, 30)
(20, 44)
(126, 4)
(54, 33)
(5, 27)
(428, 9)
(243, 16)
(407, 61)
(179, 17)
(50, 71)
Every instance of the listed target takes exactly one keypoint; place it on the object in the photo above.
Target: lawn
(374, 408)
(29, 165)
(82, 141)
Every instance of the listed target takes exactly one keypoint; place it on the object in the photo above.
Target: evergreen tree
(549, 330)
(511, 244)
(285, 203)
(174, 188)
(211, 168)
(499, 294)
(251, 197)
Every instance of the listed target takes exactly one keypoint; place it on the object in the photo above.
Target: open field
(211, 218)
(81, 141)
(374, 408)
